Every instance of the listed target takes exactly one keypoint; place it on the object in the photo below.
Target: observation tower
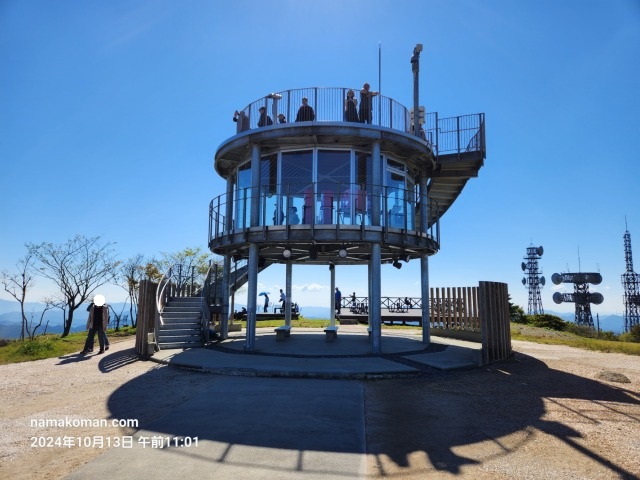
(337, 190)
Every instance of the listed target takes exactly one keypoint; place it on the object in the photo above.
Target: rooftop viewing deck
(445, 136)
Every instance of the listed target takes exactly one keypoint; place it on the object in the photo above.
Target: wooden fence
(478, 314)
(493, 306)
(147, 313)
(455, 308)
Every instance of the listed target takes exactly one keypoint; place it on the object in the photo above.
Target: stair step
(177, 345)
(181, 315)
(167, 329)
(182, 308)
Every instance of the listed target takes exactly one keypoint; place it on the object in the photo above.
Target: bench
(331, 334)
(282, 332)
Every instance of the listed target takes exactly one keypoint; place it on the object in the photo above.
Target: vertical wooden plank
(431, 309)
(435, 311)
(459, 315)
(463, 310)
(447, 318)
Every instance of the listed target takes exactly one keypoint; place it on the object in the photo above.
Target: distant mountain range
(10, 319)
(608, 323)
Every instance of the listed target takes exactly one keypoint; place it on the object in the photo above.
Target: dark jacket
(305, 114)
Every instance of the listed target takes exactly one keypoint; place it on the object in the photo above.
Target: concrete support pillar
(255, 186)
(226, 274)
(287, 292)
(424, 286)
(375, 313)
(424, 263)
(376, 180)
(254, 251)
(252, 296)
(228, 224)
(332, 316)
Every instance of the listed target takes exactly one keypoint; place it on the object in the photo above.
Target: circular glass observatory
(315, 178)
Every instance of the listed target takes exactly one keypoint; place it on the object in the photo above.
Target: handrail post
(458, 134)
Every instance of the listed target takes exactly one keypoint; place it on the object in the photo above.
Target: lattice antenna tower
(631, 286)
(533, 279)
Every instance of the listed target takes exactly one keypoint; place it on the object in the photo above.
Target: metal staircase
(185, 308)
(181, 309)
(181, 323)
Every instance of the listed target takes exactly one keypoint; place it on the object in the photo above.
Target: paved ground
(542, 414)
(307, 354)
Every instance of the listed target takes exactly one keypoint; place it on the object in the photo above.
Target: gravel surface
(549, 412)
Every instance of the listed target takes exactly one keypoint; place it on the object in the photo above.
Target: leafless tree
(129, 276)
(192, 263)
(32, 327)
(18, 283)
(78, 267)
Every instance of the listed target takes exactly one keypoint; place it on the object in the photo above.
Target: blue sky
(111, 113)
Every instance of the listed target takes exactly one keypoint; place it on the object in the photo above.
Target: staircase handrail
(161, 296)
(205, 293)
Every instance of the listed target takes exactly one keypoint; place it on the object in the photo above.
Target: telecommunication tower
(580, 296)
(631, 285)
(533, 279)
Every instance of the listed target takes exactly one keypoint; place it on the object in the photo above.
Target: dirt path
(544, 412)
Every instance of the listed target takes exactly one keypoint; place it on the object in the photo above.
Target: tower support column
(332, 301)
(252, 295)
(226, 274)
(287, 292)
(375, 321)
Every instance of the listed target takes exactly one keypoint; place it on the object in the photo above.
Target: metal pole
(255, 186)
(424, 262)
(426, 316)
(224, 287)
(375, 321)
(415, 67)
(252, 289)
(332, 269)
(287, 304)
(379, 83)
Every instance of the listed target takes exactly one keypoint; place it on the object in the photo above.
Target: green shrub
(608, 336)
(36, 347)
(517, 314)
(581, 330)
(545, 320)
(633, 335)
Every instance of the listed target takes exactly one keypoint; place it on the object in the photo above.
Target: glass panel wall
(271, 209)
(243, 196)
(333, 182)
(326, 187)
(398, 202)
(296, 186)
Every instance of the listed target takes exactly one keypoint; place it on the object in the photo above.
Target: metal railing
(456, 134)
(177, 281)
(323, 203)
(445, 135)
(328, 104)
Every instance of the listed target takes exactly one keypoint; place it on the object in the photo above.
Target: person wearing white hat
(97, 322)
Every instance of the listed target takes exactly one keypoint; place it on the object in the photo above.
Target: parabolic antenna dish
(524, 266)
(524, 281)
(540, 250)
(556, 278)
(557, 297)
(597, 298)
(542, 281)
